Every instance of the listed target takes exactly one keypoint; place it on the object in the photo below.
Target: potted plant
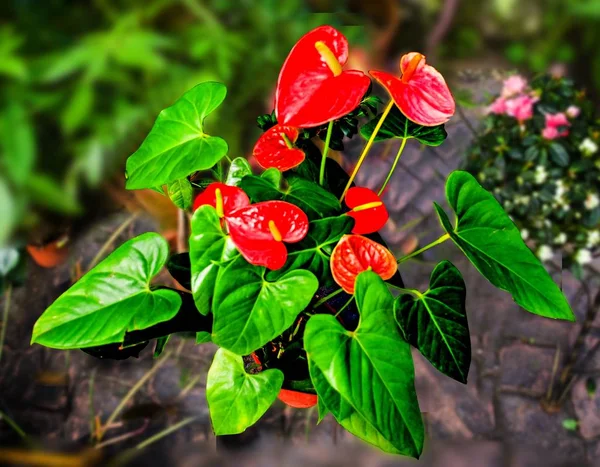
(538, 154)
(287, 273)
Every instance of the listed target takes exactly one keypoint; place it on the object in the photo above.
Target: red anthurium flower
(297, 399)
(421, 94)
(259, 230)
(312, 88)
(224, 198)
(367, 209)
(355, 254)
(275, 148)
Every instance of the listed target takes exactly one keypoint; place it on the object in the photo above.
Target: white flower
(540, 174)
(522, 199)
(561, 189)
(588, 147)
(560, 239)
(583, 256)
(547, 222)
(591, 201)
(573, 111)
(545, 253)
(524, 234)
(593, 238)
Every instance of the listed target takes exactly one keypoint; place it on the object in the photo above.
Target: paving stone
(587, 409)
(526, 367)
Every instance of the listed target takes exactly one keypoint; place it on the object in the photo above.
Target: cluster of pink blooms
(517, 101)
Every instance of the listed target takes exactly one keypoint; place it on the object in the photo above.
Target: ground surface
(495, 420)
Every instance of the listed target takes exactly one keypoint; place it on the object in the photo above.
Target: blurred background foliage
(81, 82)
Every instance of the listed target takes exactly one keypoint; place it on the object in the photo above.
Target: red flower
(259, 230)
(367, 209)
(355, 254)
(297, 399)
(421, 93)
(225, 200)
(312, 88)
(275, 148)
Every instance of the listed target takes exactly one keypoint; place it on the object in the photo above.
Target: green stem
(367, 148)
(345, 306)
(391, 172)
(442, 239)
(414, 292)
(17, 429)
(327, 297)
(325, 151)
(160, 435)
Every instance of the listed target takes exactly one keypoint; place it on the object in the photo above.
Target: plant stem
(391, 172)
(327, 297)
(17, 429)
(165, 432)
(325, 151)
(414, 292)
(345, 306)
(367, 147)
(442, 239)
(131, 393)
(111, 240)
(7, 298)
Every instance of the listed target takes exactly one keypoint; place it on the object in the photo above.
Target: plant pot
(51, 254)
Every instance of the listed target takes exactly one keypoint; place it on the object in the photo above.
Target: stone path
(494, 420)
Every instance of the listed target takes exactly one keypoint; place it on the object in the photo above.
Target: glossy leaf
(161, 343)
(493, 244)
(238, 169)
(370, 369)
(308, 196)
(209, 248)
(181, 192)
(313, 252)
(396, 125)
(177, 145)
(559, 154)
(111, 299)
(237, 399)
(435, 322)
(203, 337)
(272, 175)
(250, 311)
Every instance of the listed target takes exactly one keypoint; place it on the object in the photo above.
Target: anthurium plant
(286, 272)
(538, 154)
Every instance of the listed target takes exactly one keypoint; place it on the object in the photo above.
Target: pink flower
(513, 86)
(550, 132)
(573, 111)
(557, 121)
(520, 107)
(498, 107)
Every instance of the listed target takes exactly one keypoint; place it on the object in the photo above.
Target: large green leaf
(181, 193)
(238, 169)
(435, 322)
(8, 212)
(371, 369)
(396, 125)
(313, 252)
(491, 241)
(315, 201)
(235, 398)
(249, 311)
(111, 299)
(177, 144)
(209, 248)
(17, 139)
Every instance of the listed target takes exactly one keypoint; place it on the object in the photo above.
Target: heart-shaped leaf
(396, 125)
(313, 252)
(308, 196)
(111, 299)
(435, 322)
(370, 369)
(250, 311)
(273, 176)
(238, 169)
(181, 192)
(493, 244)
(235, 398)
(209, 248)
(177, 145)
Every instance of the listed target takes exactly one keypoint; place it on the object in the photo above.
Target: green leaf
(435, 322)
(493, 244)
(250, 311)
(111, 299)
(236, 399)
(559, 154)
(9, 259)
(180, 268)
(209, 248)
(181, 192)
(45, 192)
(570, 424)
(272, 175)
(313, 252)
(308, 196)
(18, 143)
(370, 369)
(161, 343)
(396, 125)
(79, 108)
(203, 337)
(238, 169)
(8, 212)
(177, 144)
